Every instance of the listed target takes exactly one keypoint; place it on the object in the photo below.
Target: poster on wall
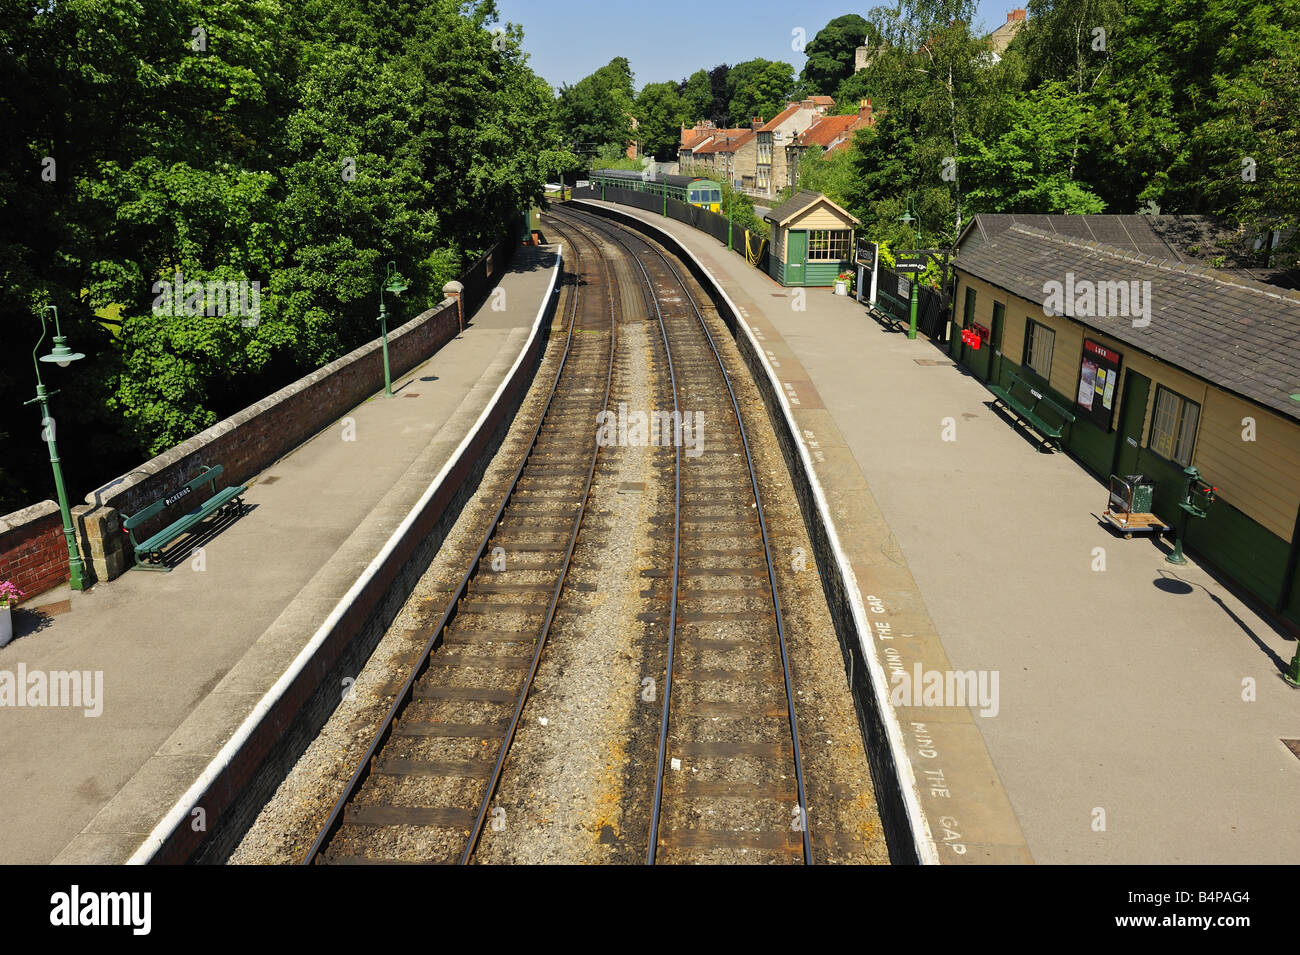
(1098, 377)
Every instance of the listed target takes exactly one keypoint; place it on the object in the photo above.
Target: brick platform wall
(33, 552)
(250, 441)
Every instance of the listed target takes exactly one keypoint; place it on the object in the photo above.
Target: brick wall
(261, 434)
(33, 552)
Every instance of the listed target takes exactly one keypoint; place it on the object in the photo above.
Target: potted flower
(843, 283)
(9, 595)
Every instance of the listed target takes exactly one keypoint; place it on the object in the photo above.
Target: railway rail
(424, 776)
(728, 780)
(729, 783)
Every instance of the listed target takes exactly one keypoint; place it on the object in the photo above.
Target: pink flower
(9, 593)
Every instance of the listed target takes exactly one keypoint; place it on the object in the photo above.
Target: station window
(1173, 426)
(1039, 340)
(828, 245)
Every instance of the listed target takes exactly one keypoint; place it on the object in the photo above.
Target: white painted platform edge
(179, 812)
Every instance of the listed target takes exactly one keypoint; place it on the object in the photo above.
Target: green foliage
(831, 53)
(1029, 168)
(831, 175)
(598, 109)
(758, 88)
(660, 111)
(297, 145)
(697, 96)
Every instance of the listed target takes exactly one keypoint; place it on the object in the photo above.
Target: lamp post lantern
(395, 286)
(62, 356)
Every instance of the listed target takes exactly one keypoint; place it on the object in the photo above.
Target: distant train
(704, 193)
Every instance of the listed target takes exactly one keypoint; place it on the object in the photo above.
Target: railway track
(427, 780)
(729, 783)
(728, 775)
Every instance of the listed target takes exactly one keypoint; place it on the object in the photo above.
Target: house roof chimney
(1017, 14)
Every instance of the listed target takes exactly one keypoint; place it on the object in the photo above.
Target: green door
(796, 258)
(978, 358)
(1128, 436)
(995, 343)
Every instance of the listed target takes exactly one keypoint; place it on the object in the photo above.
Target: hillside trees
(296, 145)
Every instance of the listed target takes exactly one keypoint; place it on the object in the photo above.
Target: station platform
(1140, 710)
(186, 656)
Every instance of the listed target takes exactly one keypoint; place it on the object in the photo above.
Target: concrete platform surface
(1140, 707)
(185, 656)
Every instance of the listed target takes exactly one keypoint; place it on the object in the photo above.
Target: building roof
(775, 122)
(1230, 330)
(823, 100)
(800, 202)
(830, 132)
(1196, 239)
(726, 141)
(693, 137)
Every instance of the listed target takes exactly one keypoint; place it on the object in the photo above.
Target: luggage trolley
(1129, 506)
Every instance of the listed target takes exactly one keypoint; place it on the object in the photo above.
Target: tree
(831, 175)
(832, 51)
(720, 81)
(1029, 167)
(660, 112)
(697, 96)
(1250, 142)
(295, 145)
(758, 88)
(598, 108)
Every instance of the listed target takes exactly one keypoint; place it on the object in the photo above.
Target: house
(1001, 38)
(770, 161)
(730, 154)
(831, 133)
(1165, 363)
(692, 138)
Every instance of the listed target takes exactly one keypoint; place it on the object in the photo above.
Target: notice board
(1098, 384)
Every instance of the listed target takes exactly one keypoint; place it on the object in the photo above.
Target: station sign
(915, 260)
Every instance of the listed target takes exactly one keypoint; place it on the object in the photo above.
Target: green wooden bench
(1031, 405)
(892, 311)
(149, 553)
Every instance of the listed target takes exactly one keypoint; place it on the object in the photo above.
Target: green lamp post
(395, 286)
(62, 356)
(909, 217)
(1197, 497)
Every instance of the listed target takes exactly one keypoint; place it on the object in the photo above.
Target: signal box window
(828, 245)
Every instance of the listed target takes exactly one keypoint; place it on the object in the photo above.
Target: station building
(1164, 362)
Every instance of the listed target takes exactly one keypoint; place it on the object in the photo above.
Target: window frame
(834, 240)
(1179, 435)
(1031, 347)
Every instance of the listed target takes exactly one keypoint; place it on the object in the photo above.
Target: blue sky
(568, 39)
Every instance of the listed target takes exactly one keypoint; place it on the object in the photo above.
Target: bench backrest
(208, 475)
(1037, 400)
